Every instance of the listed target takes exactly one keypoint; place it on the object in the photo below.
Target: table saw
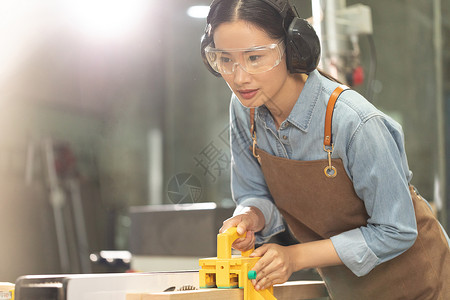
(226, 276)
(146, 286)
(167, 282)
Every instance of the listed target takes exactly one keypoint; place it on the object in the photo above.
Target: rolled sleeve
(273, 223)
(354, 252)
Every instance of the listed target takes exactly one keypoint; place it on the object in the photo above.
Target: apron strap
(253, 133)
(252, 121)
(329, 170)
(329, 114)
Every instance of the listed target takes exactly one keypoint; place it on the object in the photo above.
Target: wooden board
(292, 290)
(202, 294)
(299, 290)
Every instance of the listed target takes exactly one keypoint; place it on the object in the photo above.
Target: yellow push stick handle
(226, 239)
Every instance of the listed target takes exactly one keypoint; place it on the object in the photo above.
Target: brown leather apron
(317, 200)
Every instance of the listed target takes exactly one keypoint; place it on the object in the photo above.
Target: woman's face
(253, 90)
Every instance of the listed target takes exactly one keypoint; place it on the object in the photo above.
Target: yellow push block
(7, 290)
(226, 271)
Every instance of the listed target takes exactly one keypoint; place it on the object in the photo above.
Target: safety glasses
(252, 60)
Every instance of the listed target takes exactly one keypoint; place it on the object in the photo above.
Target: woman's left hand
(275, 265)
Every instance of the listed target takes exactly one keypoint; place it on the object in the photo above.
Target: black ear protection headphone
(302, 42)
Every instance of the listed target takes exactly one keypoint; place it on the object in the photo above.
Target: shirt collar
(301, 113)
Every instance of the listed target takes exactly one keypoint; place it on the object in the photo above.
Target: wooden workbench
(292, 290)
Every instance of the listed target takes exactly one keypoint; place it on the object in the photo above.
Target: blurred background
(108, 114)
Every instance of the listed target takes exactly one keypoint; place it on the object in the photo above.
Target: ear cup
(302, 47)
(207, 40)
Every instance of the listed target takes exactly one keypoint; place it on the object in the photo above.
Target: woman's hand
(275, 265)
(249, 221)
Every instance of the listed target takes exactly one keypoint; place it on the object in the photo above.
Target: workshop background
(95, 122)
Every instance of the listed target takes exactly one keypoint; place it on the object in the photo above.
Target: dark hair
(256, 12)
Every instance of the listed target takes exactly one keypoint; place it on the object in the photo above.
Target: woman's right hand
(251, 220)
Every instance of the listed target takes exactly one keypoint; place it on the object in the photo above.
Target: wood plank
(202, 294)
(292, 290)
(297, 290)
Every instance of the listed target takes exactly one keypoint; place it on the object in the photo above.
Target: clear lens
(252, 60)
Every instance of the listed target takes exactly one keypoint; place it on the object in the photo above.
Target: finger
(269, 267)
(242, 228)
(246, 224)
(267, 264)
(260, 251)
(271, 279)
(244, 244)
(261, 284)
(231, 222)
(226, 225)
(247, 240)
(272, 271)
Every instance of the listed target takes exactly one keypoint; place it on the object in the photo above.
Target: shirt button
(285, 137)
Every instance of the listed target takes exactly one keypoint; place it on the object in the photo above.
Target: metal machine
(99, 286)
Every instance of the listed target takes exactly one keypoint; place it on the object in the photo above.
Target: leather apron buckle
(329, 170)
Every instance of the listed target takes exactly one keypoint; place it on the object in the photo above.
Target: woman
(322, 159)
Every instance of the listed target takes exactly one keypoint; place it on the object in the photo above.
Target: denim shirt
(371, 146)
